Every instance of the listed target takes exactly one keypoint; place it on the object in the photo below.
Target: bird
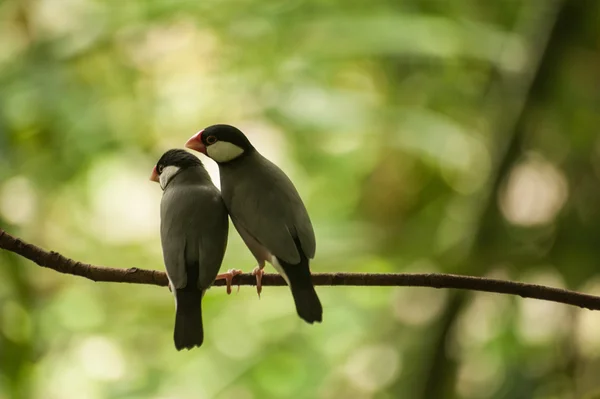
(267, 212)
(194, 226)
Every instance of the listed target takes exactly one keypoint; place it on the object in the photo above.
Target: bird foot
(258, 273)
(231, 273)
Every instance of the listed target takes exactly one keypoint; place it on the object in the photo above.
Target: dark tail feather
(307, 302)
(188, 319)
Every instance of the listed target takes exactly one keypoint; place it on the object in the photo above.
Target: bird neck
(196, 174)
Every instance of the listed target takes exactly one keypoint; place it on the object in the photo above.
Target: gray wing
(267, 205)
(194, 229)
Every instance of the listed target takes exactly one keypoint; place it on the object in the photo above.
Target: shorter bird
(193, 231)
(266, 210)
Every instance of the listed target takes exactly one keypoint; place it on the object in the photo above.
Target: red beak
(154, 175)
(195, 143)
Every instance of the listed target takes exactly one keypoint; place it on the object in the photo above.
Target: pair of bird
(264, 206)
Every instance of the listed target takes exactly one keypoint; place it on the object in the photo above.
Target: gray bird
(266, 210)
(193, 232)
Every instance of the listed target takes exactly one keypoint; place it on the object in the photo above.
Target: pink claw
(231, 273)
(258, 272)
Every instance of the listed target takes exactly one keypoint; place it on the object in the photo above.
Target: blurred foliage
(454, 136)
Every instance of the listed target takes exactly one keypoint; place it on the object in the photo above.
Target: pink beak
(195, 143)
(154, 175)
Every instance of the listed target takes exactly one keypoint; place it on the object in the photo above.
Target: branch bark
(55, 261)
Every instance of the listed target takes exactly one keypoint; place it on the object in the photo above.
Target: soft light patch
(417, 307)
(535, 193)
(269, 140)
(481, 321)
(223, 151)
(234, 342)
(18, 201)
(373, 368)
(78, 26)
(542, 322)
(587, 324)
(101, 359)
(167, 174)
(124, 203)
(480, 375)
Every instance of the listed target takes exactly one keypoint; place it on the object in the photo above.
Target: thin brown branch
(58, 262)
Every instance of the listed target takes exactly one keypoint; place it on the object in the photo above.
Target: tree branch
(55, 261)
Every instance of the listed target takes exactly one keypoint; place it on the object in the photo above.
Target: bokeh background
(425, 136)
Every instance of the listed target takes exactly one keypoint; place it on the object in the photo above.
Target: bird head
(222, 143)
(170, 164)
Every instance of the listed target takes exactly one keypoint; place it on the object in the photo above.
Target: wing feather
(268, 207)
(194, 230)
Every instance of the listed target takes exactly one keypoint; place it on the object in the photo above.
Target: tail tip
(188, 339)
(312, 320)
(179, 345)
(314, 316)
(308, 306)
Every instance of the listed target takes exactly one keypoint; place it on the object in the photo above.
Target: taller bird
(266, 210)
(193, 232)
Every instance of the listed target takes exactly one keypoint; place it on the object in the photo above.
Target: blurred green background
(455, 136)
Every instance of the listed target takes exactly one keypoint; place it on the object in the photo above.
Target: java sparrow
(193, 232)
(266, 210)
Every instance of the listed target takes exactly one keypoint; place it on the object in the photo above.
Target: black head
(227, 133)
(170, 163)
(223, 143)
(179, 158)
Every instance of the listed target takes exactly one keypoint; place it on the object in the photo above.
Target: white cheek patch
(166, 175)
(222, 151)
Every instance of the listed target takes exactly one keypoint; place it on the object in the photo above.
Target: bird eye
(211, 140)
(160, 169)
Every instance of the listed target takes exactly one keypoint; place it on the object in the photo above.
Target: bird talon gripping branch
(258, 272)
(228, 277)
